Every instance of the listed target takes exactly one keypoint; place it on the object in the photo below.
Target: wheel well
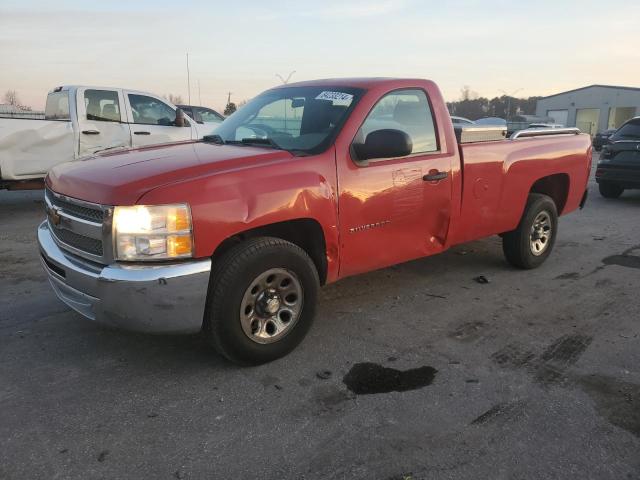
(555, 186)
(304, 232)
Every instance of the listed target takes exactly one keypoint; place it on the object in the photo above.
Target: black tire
(610, 190)
(231, 278)
(517, 244)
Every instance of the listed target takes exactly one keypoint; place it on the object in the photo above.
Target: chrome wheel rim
(541, 232)
(271, 305)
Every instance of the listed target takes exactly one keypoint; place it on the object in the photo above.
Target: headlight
(158, 232)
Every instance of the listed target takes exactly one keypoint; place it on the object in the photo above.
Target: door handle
(435, 176)
(91, 132)
(142, 133)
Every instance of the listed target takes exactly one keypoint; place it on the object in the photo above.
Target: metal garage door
(560, 116)
(587, 120)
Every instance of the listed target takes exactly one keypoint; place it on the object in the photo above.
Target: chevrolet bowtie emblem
(54, 216)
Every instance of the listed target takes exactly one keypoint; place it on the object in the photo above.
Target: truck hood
(122, 177)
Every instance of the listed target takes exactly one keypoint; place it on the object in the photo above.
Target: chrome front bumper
(153, 298)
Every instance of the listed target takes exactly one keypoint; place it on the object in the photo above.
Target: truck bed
(30, 147)
(497, 177)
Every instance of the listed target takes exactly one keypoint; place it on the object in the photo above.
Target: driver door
(152, 121)
(395, 209)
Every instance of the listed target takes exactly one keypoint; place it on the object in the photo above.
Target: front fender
(229, 203)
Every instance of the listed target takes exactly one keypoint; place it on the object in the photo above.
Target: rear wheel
(261, 301)
(529, 245)
(610, 190)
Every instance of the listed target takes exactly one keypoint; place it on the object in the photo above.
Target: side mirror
(385, 143)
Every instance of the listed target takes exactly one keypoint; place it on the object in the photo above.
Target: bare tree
(467, 94)
(175, 99)
(11, 98)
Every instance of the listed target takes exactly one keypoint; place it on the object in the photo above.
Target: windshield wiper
(261, 141)
(217, 139)
(214, 139)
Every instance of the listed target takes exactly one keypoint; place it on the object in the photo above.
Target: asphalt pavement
(411, 372)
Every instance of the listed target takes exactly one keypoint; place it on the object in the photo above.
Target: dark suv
(619, 165)
(601, 139)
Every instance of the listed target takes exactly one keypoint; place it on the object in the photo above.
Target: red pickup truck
(306, 184)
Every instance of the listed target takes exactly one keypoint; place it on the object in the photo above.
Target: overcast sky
(541, 47)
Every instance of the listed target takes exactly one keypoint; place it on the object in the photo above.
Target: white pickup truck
(80, 121)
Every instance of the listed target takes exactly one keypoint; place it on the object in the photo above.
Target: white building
(592, 109)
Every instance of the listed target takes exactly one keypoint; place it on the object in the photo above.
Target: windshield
(629, 131)
(298, 119)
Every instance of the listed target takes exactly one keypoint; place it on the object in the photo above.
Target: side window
(208, 116)
(406, 110)
(102, 105)
(186, 110)
(151, 111)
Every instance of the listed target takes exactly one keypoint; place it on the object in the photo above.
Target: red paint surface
(372, 216)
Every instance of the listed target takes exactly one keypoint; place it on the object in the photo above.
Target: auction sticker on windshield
(335, 96)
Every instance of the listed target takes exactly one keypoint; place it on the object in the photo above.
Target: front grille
(80, 211)
(80, 227)
(75, 240)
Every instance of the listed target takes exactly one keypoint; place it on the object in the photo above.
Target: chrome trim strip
(82, 203)
(64, 214)
(541, 132)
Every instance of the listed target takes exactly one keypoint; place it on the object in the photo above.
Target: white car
(82, 120)
(461, 121)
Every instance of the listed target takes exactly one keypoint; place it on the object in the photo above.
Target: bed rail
(542, 132)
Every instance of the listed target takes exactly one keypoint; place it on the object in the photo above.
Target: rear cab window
(57, 107)
(628, 131)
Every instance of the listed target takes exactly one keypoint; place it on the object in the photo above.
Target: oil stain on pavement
(370, 378)
(631, 261)
(624, 260)
(615, 400)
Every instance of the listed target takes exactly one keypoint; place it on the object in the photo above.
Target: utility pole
(199, 94)
(509, 100)
(188, 79)
(229, 98)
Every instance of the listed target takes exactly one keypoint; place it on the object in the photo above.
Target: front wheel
(610, 190)
(529, 245)
(261, 300)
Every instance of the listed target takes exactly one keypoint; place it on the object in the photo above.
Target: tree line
(472, 106)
